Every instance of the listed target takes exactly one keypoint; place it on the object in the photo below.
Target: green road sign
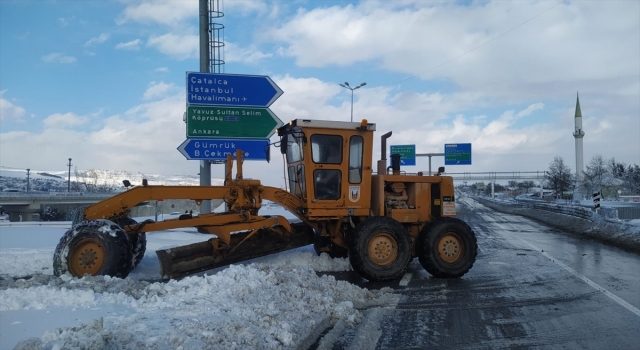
(235, 122)
(407, 153)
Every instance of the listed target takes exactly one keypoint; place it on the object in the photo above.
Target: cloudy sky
(103, 82)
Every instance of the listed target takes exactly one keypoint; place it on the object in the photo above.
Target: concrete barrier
(618, 233)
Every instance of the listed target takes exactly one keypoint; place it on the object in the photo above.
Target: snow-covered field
(278, 301)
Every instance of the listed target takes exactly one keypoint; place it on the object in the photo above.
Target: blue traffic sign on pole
(217, 149)
(215, 89)
(457, 154)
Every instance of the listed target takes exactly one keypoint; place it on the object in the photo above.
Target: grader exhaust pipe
(382, 163)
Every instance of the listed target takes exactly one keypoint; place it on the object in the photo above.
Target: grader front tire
(93, 248)
(380, 249)
(447, 248)
(138, 242)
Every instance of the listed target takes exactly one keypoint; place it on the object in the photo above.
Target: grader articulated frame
(241, 233)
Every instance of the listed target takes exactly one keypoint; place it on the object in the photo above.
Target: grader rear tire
(380, 249)
(98, 247)
(447, 248)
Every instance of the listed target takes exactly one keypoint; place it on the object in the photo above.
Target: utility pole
(28, 170)
(205, 165)
(69, 180)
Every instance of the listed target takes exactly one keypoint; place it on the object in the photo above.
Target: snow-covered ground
(278, 301)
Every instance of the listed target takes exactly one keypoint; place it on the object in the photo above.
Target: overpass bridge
(25, 204)
(498, 176)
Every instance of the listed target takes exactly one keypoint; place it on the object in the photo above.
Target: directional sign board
(241, 122)
(407, 153)
(217, 149)
(214, 89)
(457, 154)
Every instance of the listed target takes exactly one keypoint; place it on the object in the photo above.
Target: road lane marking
(614, 297)
(405, 279)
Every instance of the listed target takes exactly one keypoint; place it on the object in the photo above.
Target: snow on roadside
(276, 301)
(620, 233)
(261, 306)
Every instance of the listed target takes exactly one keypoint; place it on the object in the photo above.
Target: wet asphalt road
(531, 287)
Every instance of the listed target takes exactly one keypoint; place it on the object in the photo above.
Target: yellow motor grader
(380, 221)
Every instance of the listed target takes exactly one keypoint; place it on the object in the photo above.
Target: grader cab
(380, 221)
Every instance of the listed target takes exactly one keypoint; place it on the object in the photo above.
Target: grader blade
(193, 258)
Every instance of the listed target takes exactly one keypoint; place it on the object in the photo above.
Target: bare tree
(597, 175)
(559, 176)
(526, 185)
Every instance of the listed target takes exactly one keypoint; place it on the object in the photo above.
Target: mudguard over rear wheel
(98, 247)
(380, 249)
(447, 248)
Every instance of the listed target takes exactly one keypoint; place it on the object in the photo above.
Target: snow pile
(17, 263)
(260, 306)
(277, 301)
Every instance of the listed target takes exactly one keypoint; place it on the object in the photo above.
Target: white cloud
(250, 7)
(65, 21)
(177, 46)
(129, 45)
(146, 136)
(177, 13)
(166, 12)
(58, 57)
(62, 121)
(9, 111)
(247, 55)
(156, 90)
(573, 43)
(97, 40)
(161, 70)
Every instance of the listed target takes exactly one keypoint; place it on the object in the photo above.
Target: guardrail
(619, 213)
(572, 210)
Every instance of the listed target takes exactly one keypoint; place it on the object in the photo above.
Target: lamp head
(345, 83)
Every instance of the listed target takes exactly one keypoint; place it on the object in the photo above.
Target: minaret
(578, 134)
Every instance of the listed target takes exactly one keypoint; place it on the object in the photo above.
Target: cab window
(326, 149)
(355, 159)
(294, 148)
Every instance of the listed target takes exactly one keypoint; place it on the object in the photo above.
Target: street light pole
(347, 86)
(69, 181)
(28, 170)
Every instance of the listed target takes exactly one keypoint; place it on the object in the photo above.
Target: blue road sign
(457, 154)
(214, 89)
(407, 153)
(217, 149)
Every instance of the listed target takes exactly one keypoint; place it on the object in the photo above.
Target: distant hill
(88, 180)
